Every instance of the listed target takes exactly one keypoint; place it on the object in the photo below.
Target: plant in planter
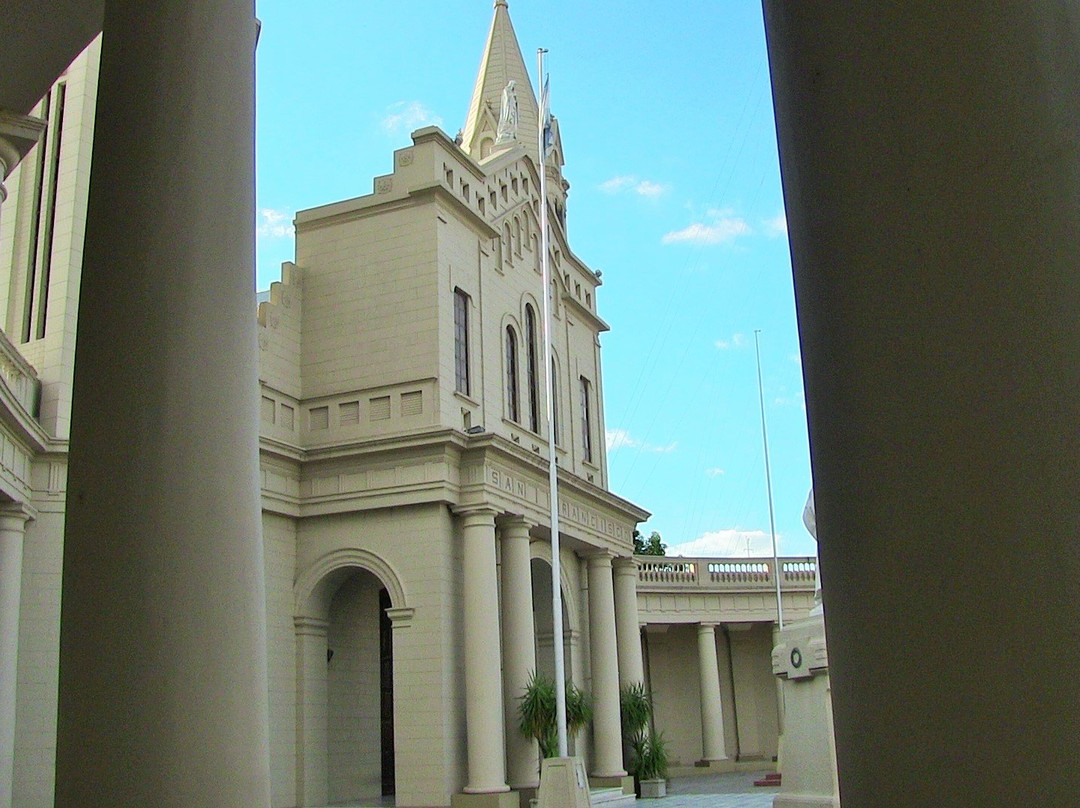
(536, 712)
(646, 753)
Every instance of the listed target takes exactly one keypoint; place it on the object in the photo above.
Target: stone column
(312, 738)
(932, 191)
(519, 649)
(628, 630)
(163, 681)
(483, 679)
(607, 725)
(12, 525)
(712, 709)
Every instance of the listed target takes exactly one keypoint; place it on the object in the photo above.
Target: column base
(716, 764)
(803, 801)
(525, 794)
(623, 781)
(490, 799)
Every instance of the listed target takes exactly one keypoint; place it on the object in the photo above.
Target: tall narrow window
(461, 341)
(555, 401)
(511, 375)
(586, 420)
(530, 369)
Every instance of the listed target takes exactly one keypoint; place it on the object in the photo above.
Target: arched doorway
(347, 605)
(544, 629)
(359, 691)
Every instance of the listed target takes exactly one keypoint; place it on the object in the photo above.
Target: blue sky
(666, 119)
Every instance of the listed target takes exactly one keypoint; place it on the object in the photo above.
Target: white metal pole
(777, 572)
(553, 470)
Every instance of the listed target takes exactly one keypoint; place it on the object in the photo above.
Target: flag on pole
(546, 124)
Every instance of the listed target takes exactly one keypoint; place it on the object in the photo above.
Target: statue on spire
(508, 115)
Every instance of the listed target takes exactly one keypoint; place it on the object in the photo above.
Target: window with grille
(461, 341)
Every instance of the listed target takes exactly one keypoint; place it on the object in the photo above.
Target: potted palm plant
(646, 752)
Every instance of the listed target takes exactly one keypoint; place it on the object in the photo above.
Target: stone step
(610, 798)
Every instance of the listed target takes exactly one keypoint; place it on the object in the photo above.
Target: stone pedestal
(808, 755)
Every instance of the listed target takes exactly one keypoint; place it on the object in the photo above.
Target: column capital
(476, 514)
(18, 134)
(511, 521)
(17, 512)
(314, 626)
(707, 625)
(626, 565)
(401, 617)
(600, 558)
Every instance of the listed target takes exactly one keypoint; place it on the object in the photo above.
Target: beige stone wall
(279, 545)
(39, 639)
(369, 285)
(676, 689)
(52, 355)
(755, 691)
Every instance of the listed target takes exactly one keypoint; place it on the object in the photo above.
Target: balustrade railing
(661, 572)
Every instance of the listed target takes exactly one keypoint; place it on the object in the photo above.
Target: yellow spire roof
(502, 63)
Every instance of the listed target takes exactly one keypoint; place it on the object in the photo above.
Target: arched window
(511, 375)
(461, 342)
(485, 147)
(506, 241)
(586, 420)
(531, 368)
(517, 235)
(555, 401)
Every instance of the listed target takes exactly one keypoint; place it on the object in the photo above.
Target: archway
(345, 679)
(544, 629)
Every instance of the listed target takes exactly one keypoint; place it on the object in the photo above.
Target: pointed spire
(502, 63)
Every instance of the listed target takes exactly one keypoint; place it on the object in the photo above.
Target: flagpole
(553, 470)
(777, 572)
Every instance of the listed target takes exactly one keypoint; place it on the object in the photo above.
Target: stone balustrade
(19, 376)
(681, 573)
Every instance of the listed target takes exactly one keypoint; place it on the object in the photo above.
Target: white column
(163, 681)
(628, 630)
(312, 705)
(12, 526)
(519, 649)
(712, 710)
(931, 185)
(607, 724)
(483, 676)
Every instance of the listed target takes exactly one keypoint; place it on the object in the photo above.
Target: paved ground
(733, 790)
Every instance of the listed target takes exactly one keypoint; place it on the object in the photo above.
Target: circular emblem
(796, 658)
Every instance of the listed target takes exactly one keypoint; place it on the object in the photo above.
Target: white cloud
(274, 224)
(776, 226)
(618, 438)
(714, 472)
(616, 184)
(736, 341)
(721, 230)
(727, 542)
(405, 116)
(649, 188)
(628, 182)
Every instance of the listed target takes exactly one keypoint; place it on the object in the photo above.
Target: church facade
(403, 473)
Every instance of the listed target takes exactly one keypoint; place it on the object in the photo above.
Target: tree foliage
(651, 546)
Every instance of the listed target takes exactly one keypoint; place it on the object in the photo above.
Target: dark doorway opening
(386, 693)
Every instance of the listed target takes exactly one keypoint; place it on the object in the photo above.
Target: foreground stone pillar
(163, 686)
(627, 628)
(931, 179)
(12, 527)
(607, 725)
(312, 711)
(712, 709)
(483, 680)
(519, 649)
